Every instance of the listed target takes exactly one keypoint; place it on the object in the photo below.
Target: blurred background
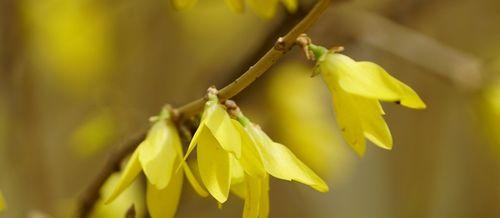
(77, 77)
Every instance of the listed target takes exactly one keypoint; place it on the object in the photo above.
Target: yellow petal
(281, 163)
(132, 169)
(406, 96)
(194, 139)
(194, 182)
(237, 172)
(239, 189)
(357, 79)
(253, 197)
(361, 117)
(213, 164)
(264, 197)
(349, 120)
(291, 5)
(250, 159)
(264, 8)
(219, 123)
(182, 4)
(2, 202)
(189, 174)
(162, 203)
(236, 5)
(157, 153)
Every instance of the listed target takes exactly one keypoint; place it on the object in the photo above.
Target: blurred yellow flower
(157, 156)
(2, 202)
(489, 113)
(264, 8)
(357, 88)
(217, 139)
(131, 196)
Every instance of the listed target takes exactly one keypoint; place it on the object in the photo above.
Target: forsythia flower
(133, 195)
(218, 141)
(157, 156)
(357, 87)
(2, 203)
(264, 8)
(261, 156)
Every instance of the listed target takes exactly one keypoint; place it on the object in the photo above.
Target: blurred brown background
(77, 77)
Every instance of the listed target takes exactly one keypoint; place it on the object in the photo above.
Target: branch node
(280, 44)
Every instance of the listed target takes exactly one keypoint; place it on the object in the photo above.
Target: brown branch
(271, 57)
(282, 46)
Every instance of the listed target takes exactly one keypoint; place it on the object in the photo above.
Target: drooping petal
(361, 117)
(291, 5)
(264, 8)
(348, 120)
(189, 174)
(264, 197)
(374, 126)
(157, 153)
(194, 140)
(132, 169)
(237, 172)
(406, 96)
(236, 5)
(162, 203)
(253, 198)
(213, 164)
(356, 79)
(183, 4)
(219, 123)
(250, 159)
(194, 182)
(281, 163)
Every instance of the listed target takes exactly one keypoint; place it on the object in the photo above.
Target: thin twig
(271, 57)
(282, 46)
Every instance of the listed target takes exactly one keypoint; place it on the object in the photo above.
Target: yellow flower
(2, 203)
(157, 156)
(276, 159)
(263, 8)
(133, 195)
(217, 140)
(261, 156)
(357, 87)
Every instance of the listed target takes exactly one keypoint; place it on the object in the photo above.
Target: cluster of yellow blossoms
(233, 155)
(264, 8)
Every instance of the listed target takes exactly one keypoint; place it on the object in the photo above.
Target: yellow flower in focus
(217, 140)
(356, 88)
(326, 153)
(261, 156)
(277, 160)
(157, 156)
(263, 8)
(2, 202)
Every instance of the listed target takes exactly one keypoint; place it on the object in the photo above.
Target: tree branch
(282, 46)
(271, 57)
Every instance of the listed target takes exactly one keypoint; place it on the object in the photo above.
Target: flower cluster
(233, 155)
(157, 156)
(357, 87)
(264, 8)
